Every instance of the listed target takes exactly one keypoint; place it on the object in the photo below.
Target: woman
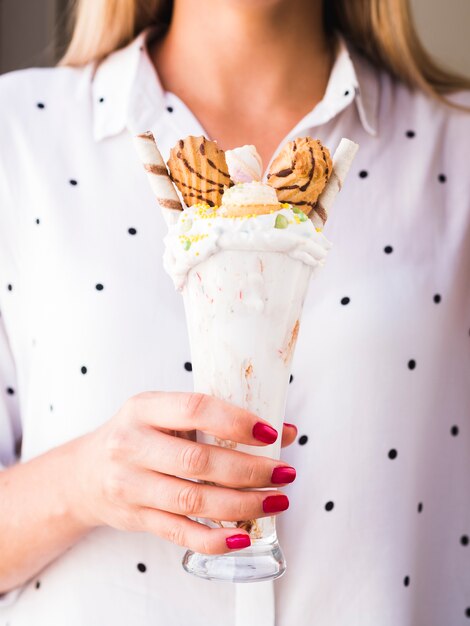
(93, 522)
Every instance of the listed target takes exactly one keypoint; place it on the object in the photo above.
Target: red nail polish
(237, 542)
(263, 432)
(283, 474)
(275, 504)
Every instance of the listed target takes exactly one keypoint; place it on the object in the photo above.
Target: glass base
(261, 561)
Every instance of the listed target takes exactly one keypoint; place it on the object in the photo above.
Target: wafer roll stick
(158, 177)
(342, 160)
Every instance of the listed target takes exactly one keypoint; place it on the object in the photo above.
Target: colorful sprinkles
(187, 240)
(204, 211)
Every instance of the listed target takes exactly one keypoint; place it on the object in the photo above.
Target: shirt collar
(127, 92)
(352, 79)
(367, 78)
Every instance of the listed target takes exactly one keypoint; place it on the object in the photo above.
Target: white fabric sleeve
(10, 425)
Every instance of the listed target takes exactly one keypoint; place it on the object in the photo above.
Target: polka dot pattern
(336, 416)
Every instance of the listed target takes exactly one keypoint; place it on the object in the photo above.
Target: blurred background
(34, 32)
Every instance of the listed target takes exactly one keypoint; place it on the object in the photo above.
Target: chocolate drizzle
(196, 173)
(282, 173)
(310, 172)
(284, 187)
(199, 170)
(190, 187)
(327, 169)
(299, 172)
(226, 174)
(193, 192)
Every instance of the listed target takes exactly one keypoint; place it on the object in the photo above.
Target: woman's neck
(245, 60)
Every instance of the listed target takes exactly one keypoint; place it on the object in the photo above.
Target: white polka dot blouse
(378, 528)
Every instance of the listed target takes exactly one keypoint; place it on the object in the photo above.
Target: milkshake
(243, 260)
(244, 278)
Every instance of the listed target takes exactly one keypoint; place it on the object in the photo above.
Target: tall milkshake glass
(243, 313)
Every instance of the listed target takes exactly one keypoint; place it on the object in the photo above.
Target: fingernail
(263, 432)
(291, 426)
(236, 542)
(275, 504)
(283, 474)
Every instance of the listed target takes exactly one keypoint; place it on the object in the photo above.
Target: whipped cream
(202, 231)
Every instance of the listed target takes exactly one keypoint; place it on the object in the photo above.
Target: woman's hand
(136, 475)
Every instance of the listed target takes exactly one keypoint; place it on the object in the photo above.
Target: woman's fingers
(163, 453)
(184, 497)
(197, 537)
(197, 411)
(289, 433)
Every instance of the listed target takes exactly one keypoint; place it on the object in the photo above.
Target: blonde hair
(382, 30)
